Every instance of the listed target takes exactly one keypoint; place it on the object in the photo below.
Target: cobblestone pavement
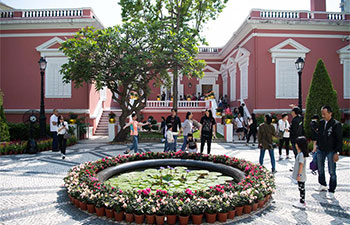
(31, 188)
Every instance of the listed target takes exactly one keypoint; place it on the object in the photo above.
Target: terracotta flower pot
(70, 198)
(109, 213)
(239, 211)
(139, 218)
(231, 214)
(222, 217)
(150, 219)
(255, 206)
(261, 203)
(83, 205)
(76, 202)
(184, 220)
(129, 218)
(118, 216)
(100, 211)
(197, 219)
(171, 219)
(91, 208)
(247, 209)
(160, 219)
(211, 218)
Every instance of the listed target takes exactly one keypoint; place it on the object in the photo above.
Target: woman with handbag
(283, 135)
(62, 131)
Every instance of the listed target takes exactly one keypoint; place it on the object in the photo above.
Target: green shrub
(321, 92)
(346, 130)
(4, 130)
(21, 131)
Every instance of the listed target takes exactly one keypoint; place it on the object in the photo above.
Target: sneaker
(280, 158)
(253, 144)
(330, 195)
(246, 144)
(287, 157)
(127, 151)
(321, 188)
(274, 171)
(291, 169)
(299, 205)
(63, 156)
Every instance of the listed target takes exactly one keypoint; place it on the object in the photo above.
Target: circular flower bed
(87, 192)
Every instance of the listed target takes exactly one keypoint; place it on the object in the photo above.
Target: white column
(111, 131)
(229, 132)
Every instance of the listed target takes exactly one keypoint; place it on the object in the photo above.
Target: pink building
(255, 66)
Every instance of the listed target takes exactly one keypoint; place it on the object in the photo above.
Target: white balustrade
(52, 13)
(279, 14)
(208, 50)
(158, 104)
(6, 14)
(180, 104)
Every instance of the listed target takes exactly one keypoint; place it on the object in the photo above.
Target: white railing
(6, 14)
(336, 16)
(208, 50)
(158, 104)
(279, 14)
(52, 13)
(190, 104)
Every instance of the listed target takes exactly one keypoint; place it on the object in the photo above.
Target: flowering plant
(184, 207)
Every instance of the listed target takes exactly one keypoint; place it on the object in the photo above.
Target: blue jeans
(175, 139)
(184, 144)
(295, 151)
(171, 147)
(54, 141)
(321, 158)
(272, 157)
(135, 141)
(166, 145)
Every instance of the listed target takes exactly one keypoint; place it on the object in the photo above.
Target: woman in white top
(62, 129)
(240, 126)
(284, 135)
(187, 128)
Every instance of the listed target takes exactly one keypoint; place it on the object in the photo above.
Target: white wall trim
(77, 111)
(344, 53)
(278, 51)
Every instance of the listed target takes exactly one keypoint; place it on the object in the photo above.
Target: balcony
(16, 14)
(180, 104)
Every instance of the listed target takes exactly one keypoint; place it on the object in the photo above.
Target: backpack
(313, 164)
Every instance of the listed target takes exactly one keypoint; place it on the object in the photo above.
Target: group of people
(59, 130)
(327, 143)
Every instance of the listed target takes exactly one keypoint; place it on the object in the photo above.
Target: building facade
(255, 66)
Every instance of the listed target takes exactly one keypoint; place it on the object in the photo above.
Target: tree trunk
(123, 133)
(175, 87)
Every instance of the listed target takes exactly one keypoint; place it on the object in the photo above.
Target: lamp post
(299, 64)
(42, 118)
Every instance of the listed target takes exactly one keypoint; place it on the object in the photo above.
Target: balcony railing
(46, 13)
(298, 15)
(209, 50)
(180, 104)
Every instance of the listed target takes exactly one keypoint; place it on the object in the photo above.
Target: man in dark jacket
(296, 128)
(175, 122)
(329, 143)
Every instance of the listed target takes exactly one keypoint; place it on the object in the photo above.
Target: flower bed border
(83, 187)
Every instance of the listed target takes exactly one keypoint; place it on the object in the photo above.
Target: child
(299, 172)
(191, 143)
(170, 138)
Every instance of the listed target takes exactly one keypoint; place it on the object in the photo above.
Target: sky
(216, 32)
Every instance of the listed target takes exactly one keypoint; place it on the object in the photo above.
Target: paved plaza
(32, 192)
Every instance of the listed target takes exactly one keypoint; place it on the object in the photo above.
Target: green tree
(321, 92)
(181, 22)
(123, 58)
(4, 129)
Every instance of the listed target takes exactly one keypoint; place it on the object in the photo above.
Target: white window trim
(277, 81)
(232, 73)
(242, 58)
(46, 82)
(344, 56)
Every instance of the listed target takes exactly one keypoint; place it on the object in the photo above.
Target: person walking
(175, 122)
(187, 128)
(133, 124)
(296, 128)
(329, 143)
(253, 129)
(62, 129)
(207, 130)
(314, 131)
(170, 138)
(299, 172)
(53, 130)
(265, 134)
(240, 126)
(283, 135)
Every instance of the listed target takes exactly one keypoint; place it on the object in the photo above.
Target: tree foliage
(321, 92)
(4, 129)
(181, 23)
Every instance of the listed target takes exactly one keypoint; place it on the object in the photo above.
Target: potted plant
(184, 211)
(72, 118)
(99, 207)
(138, 210)
(219, 111)
(223, 210)
(211, 210)
(197, 208)
(150, 210)
(170, 211)
(189, 97)
(228, 118)
(111, 117)
(158, 97)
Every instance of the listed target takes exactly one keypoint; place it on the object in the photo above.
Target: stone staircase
(102, 127)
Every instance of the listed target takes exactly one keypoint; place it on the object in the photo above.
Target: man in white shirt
(53, 130)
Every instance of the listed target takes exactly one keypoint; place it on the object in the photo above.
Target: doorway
(206, 88)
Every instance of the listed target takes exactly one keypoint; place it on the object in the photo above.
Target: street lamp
(299, 64)
(42, 118)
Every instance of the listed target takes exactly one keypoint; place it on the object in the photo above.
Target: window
(54, 86)
(244, 80)
(233, 84)
(346, 69)
(286, 78)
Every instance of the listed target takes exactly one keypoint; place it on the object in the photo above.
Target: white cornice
(344, 53)
(298, 51)
(37, 34)
(46, 51)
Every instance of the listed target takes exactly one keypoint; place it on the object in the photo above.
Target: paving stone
(32, 192)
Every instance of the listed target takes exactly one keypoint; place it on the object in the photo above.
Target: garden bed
(87, 192)
(19, 147)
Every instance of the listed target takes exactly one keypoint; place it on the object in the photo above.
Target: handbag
(67, 136)
(313, 164)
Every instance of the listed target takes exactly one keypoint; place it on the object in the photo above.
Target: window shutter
(286, 79)
(54, 86)
(346, 68)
